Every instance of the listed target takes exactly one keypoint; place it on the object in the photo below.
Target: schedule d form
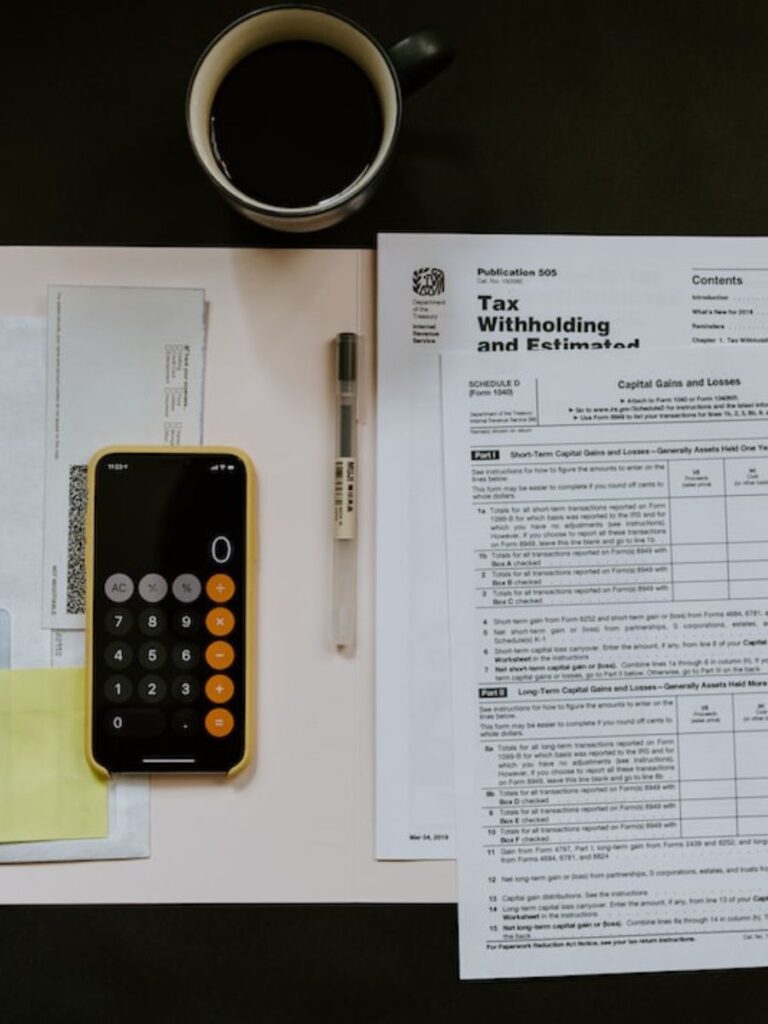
(607, 538)
(522, 296)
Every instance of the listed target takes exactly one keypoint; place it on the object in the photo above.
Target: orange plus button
(219, 722)
(220, 654)
(220, 621)
(220, 587)
(219, 689)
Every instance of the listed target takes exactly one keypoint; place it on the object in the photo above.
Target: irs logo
(429, 281)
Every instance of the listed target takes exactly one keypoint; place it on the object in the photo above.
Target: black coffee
(295, 123)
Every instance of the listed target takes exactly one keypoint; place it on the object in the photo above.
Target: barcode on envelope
(77, 496)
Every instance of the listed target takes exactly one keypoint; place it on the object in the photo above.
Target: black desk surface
(591, 117)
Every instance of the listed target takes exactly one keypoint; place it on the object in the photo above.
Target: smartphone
(170, 565)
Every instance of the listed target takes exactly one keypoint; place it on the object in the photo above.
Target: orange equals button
(219, 722)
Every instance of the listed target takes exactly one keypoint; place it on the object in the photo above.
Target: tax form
(607, 528)
(518, 295)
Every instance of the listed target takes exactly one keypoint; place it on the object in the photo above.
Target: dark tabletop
(622, 117)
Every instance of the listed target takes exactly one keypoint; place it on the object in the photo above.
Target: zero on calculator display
(169, 609)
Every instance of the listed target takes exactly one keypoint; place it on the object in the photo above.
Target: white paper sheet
(125, 366)
(22, 440)
(440, 293)
(23, 345)
(608, 562)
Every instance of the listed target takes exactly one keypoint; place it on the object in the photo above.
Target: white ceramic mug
(402, 69)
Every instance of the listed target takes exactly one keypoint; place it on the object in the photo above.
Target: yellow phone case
(251, 556)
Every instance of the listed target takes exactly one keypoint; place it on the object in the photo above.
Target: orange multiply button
(220, 654)
(220, 587)
(219, 722)
(220, 621)
(219, 689)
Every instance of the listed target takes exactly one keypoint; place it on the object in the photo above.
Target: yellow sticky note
(47, 788)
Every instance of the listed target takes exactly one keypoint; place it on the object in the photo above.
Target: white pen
(345, 495)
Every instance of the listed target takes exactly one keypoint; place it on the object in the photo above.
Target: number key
(135, 722)
(118, 621)
(118, 689)
(152, 622)
(186, 655)
(118, 654)
(152, 655)
(152, 689)
(185, 689)
(186, 622)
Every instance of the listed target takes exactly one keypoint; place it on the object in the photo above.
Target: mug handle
(419, 58)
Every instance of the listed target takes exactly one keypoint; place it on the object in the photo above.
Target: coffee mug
(293, 112)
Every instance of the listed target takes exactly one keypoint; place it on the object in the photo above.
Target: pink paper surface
(297, 825)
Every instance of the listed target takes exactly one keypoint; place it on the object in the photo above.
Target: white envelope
(125, 366)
